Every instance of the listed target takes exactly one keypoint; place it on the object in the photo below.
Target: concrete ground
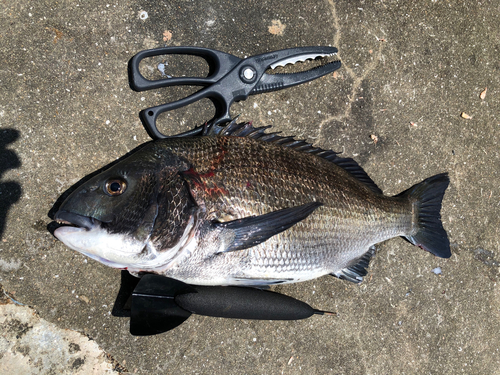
(406, 104)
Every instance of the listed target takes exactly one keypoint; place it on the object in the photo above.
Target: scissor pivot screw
(248, 74)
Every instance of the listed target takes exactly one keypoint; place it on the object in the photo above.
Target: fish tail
(428, 232)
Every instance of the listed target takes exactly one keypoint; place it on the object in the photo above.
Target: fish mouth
(74, 220)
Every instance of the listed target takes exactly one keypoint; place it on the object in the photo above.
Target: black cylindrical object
(243, 303)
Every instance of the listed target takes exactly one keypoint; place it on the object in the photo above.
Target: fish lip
(77, 220)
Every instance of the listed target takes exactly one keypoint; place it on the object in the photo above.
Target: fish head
(113, 216)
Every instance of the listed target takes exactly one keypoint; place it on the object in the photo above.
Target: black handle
(149, 116)
(220, 63)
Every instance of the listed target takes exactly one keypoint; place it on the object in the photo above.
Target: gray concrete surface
(32, 345)
(409, 70)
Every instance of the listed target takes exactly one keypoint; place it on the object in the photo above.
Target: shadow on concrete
(10, 191)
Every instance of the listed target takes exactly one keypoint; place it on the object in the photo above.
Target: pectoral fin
(253, 230)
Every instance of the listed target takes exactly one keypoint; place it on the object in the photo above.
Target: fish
(234, 204)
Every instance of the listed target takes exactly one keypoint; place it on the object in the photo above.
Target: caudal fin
(427, 196)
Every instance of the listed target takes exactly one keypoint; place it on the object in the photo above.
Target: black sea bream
(238, 206)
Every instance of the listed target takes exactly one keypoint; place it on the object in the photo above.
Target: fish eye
(115, 186)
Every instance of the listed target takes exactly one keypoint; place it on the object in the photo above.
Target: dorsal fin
(246, 129)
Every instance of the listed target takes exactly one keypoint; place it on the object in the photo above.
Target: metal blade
(299, 58)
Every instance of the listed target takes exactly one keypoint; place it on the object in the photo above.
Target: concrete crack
(357, 79)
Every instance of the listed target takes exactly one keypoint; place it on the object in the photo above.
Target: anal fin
(356, 272)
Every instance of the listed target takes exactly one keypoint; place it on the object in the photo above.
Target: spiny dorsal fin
(246, 129)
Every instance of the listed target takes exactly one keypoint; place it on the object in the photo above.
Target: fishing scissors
(230, 79)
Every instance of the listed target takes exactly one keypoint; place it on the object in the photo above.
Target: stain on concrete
(276, 28)
(31, 345)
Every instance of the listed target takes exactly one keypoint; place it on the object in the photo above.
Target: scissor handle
(220, 63)
(148, 116)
